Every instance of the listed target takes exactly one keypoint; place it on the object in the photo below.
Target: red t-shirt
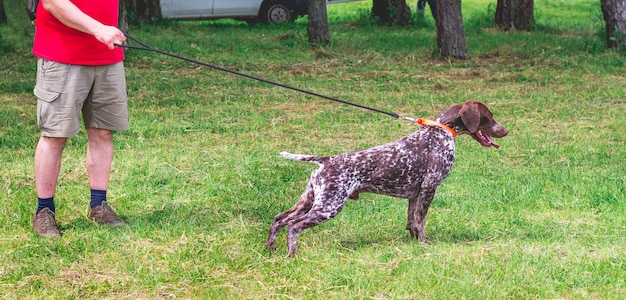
(56, 42)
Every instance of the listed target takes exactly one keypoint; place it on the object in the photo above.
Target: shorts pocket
(45, 95)
(48, 111)
(50, 83)
(55, 115)
(51, 77)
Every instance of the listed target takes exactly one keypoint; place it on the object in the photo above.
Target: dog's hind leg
(300, 208)
(320, 212)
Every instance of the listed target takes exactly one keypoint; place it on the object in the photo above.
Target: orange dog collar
(425, 122)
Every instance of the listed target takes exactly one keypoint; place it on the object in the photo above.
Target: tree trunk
(122, 21)
(391, 12)
(144, 10)
(3, 14)
(450, 30)
(614, 12)
(515, 14)
(318, 22)
(123, 18)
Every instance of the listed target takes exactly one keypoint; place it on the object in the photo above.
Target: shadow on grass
(81, 223)
(434, 238)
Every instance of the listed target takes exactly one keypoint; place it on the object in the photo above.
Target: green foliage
(619, 38)
(5, 45)
(198, 178)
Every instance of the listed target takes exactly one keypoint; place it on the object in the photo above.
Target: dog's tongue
(486, 140)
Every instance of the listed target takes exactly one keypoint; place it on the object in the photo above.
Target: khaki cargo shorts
(63, 91)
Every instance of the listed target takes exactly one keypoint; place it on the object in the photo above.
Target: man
(421, 5)
(79, 70)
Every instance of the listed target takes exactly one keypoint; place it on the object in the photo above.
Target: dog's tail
(310, 158)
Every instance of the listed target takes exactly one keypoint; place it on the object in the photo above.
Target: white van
(267, 11)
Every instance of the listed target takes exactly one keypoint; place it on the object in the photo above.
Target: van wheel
(276, 12)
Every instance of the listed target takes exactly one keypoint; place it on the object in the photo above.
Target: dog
(411, 167)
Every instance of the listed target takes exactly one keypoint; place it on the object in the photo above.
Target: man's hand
(109, 36)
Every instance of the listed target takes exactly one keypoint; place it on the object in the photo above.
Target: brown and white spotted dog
(411, 167)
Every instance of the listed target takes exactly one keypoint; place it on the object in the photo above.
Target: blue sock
(45, 202)
(97, 197)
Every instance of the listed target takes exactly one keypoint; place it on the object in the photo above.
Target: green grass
(198, 179)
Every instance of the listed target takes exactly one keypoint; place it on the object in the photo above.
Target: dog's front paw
(418, 234)
(270, 247)
(413, 231)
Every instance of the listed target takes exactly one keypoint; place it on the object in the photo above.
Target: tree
(144, 10)
(515, 14)
(318, 22)
(450, 30)
(123, 18)
(614, 12)
(3, 14)
(391, 12)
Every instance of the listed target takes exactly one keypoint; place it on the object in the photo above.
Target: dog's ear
(470, 114)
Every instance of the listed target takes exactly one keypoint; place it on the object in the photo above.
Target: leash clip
(412, 120)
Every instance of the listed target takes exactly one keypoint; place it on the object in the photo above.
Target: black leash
(152, 49)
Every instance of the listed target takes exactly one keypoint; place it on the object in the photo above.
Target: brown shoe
(45, 224)
(104, 215)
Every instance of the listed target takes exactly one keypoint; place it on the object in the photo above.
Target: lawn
(198, 178)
